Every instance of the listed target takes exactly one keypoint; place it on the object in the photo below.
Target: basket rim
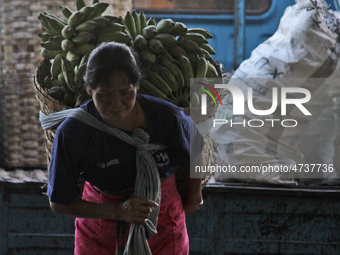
(42, 95)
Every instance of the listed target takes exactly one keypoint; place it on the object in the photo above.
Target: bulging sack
(294, 64)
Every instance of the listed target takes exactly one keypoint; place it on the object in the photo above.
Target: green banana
(45, 36)
(167, 39)
(162, 85)
(57, 39)
(75, 19)
(48, 83)
(176, 71)
(56, 67)
(155, 45)
(84, 59)
(188, 45)
(196, 37)
(79, 4)
(136, 18)
(99, 9)
(87, 26)
(113, 27)
(211, 72)
(165, 26)
(193, 58)
(61, 79)
(186, 68)
(170, 79)
(179, 29)
(201, 68)
(147, 56)
(114, 19)
(177, 51)
(48, 54)
(68, 72)
(140, 42)
(142, 21)
(88, 12)
(151, 21)
(93, 2)
(206, 54)
(56, 93)
(101, 21)
(149, 31)
(152, 89)
(64, 88)
(78, 77)
(51, 45)
(201, 31)
(45, 25)
(67, 32)
(164, 55)
(208, 48)
(66, 12)
(67, 44)
(55, 23)
(81, 71)
(82, 38)
(72, 57)
(194, 99)
(130, 24)
(117, 36)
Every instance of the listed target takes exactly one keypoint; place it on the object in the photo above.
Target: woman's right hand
(136, 210)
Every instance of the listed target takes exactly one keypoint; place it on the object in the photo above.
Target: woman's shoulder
(73, 127)
(160, 106)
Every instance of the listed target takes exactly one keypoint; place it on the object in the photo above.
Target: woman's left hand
(194, 199)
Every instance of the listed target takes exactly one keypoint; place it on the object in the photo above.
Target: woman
(106, 207)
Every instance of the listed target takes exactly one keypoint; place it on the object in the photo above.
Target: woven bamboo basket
(46, 103)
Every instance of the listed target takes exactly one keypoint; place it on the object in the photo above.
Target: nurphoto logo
(246, 101)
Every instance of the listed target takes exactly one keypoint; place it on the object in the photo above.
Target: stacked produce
(169, 52)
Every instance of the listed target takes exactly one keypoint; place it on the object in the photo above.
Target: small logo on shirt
(161, 158)
(108, 163)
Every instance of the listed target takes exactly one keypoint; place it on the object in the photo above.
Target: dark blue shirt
(81, 151)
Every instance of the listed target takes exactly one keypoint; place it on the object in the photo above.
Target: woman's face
(115, 100)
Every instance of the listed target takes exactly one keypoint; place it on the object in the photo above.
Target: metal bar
(337, 4)
(239, 32)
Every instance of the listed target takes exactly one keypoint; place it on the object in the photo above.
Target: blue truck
(236, 218)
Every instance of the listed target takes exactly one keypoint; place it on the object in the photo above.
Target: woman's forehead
(116, 78)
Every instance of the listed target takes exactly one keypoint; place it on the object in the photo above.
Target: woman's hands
(136, 210)
(194, 199)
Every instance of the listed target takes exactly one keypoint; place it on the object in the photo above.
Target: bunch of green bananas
(170, 54)
(67, 43)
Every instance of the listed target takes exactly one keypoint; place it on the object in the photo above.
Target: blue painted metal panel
(337, 4)
(266, 220)
(27, 224)
(239, 28)
(234, 220)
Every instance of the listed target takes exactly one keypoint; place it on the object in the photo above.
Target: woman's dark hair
(107, 58)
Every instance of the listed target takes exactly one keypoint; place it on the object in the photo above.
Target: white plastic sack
(302, 53)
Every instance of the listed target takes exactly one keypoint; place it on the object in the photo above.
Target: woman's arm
(135, 210)
(194, 199)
